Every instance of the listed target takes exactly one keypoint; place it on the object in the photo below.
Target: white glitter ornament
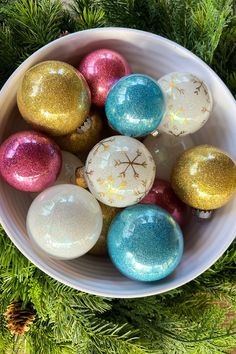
(165, 149)
(188, 103)
(119, 171)
(65, 221)
(70, 163)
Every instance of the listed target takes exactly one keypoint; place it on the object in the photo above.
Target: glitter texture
(30, 161)
(188, 103)
(54, 97)
(84, 137)
(108, 213)
(145, 243)
(204, 177)
(102, 69)
(135, 105)
(162, 195)
(65, 221)
(119, 171)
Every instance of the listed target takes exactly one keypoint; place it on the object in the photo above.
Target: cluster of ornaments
(96, 188)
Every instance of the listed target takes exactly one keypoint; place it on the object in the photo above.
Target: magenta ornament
(162, 195)
(102, 68)
(30, 161)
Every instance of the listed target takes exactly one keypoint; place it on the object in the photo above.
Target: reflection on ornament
(64, 221)
(135, 105)
(30, 161)
(108, 213)
(188, 103)
(54, 97)
(102, 68)
(145, 243)
(85, 136)
(70, 164)
(165, 150)
(162, 195)
(204, 177)
(119, 171)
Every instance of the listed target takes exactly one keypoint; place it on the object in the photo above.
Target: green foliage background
(192, 319)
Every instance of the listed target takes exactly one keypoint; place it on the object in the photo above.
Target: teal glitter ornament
(135, 105)
(145, 243)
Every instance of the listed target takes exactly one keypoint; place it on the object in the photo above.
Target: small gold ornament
(19, 319)
(100, 248)
(85, 136)
(54, 97)
(204, 177)
(79, 178)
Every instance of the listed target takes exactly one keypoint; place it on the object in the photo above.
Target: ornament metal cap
(202, 214)
(155, 132)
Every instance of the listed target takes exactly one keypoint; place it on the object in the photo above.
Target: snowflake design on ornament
(141, 193)
(175, 134)
(102, 146)
(200, 85)
(204, 110)
(131, 164)
(87, 172)
(111, 189)
(172, 86)
(175, 116)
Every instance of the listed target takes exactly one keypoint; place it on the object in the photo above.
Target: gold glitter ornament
(204, 177)
(54, 97)
(108, 213)
(84, 137)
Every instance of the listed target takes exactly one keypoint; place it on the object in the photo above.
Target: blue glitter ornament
(135, 105)
(145, 243)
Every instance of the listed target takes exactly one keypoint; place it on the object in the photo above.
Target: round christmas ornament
(102, 68)
(135, 105)
(30, 161)
(54, 97)
(70, 165)
(162, 195)
(165, 150)
(64, 221)
(83, 138)
(80, 178)
(108, 213)
(188, 103)
(204, 177)
(145, 243)
(119, 171)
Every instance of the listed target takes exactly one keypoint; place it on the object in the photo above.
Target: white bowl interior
(204, 241)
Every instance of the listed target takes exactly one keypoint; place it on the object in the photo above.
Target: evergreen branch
(88, 15)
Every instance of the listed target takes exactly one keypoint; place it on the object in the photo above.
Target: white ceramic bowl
(155, 56)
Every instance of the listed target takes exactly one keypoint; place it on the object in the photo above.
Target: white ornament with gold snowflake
(119, 171)
(188, 103)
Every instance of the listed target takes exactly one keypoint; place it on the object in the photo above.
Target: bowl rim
(9, 229)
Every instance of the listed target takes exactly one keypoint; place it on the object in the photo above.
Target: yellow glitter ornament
(54, 97)
(100, 248)
(84, 137)
(204, 177)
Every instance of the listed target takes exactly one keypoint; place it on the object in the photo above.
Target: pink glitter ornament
(102, 68)
(162, 195)
(29, 161)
